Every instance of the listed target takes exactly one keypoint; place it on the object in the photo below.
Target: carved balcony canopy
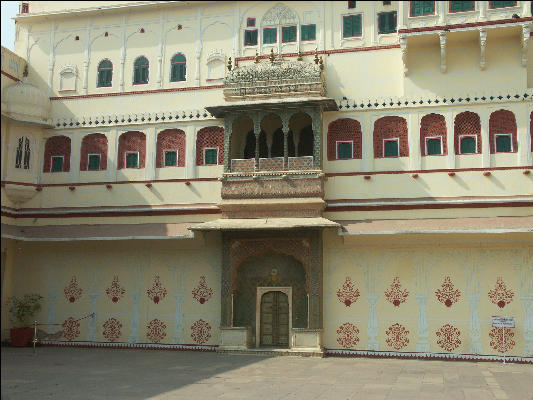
(277, 78)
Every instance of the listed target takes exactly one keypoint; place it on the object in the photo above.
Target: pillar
(450, 143)
(316, 121)
(91, 322)
(257, 132)
(402, 20)
(482, 10)
(149, 167)
(228, 130)
(368, 144)
(285, 118)
(414, 141)
(473, 296)
(441, 10)
(134, 324)
(112, 154)
(190, 152)
(75, 150)
(523, 136)
(485, 148)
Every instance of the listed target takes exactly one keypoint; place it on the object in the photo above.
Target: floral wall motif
(500, 295)
(447, 294)
(57, 146)
(156, 330)
(347, 335)
(95, 143)
(71, 328)
(200, 331)
(395, 294)
(157, 292)
(348, 294)
(397, 336)
(448, 337)
(115, 292)
(202, 293)
(497, 337)
(112, 329)
(73, 291)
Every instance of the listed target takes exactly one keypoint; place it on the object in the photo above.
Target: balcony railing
(248, 165)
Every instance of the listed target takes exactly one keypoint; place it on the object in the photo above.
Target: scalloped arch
(280, 14)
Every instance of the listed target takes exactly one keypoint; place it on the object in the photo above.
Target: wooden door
(275, 320)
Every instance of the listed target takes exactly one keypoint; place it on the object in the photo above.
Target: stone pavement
(76, 373)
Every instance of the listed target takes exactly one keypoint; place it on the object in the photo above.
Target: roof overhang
(326, 103)
(244, 224)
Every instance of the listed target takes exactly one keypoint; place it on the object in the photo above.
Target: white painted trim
(110, 210)
(424, 202)
(337, 142)
(426, 146)
(25, 239)
(461, 137)
(437, 231)
(510, 135)
(397, 140)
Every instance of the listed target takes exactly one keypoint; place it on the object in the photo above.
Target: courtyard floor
(76, 373)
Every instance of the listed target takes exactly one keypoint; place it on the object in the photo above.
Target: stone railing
(247, 166)
(275, 88)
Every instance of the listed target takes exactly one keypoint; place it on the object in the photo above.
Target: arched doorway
(274, 319)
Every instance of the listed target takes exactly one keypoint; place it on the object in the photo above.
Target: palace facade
(341, 178)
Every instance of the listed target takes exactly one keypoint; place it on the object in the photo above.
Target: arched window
(131, 150)
(170, 148)
(22, 156)
(210, 146)
(433, 135)
(178, 68)
(467, 133)
(502, 132)
(57, 154)
(140, 71)
(390, 137)
(105, 73)
(93, 152)
(344, 139)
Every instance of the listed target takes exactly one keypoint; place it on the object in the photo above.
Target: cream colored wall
(179, 264)
(421, 270)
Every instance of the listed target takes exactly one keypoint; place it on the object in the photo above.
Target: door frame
(260, 292)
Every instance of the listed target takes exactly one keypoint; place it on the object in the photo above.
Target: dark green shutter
(288, 34)
(500, 4)
(344, 150)
(270, 35)
(131, 160)
(211, 157)
(57, 164)
(459, 6)
(434, 147)
(387, 22)
(309, 32)
(178, 72)
(250, 37)
(468, 145)
(503, 144)
(18, 157)
(422, 8)
(27, 154)
(391, 148)
(171, 159)
(351, 25)
(94, 162)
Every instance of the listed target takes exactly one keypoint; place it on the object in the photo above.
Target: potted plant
(22, 309)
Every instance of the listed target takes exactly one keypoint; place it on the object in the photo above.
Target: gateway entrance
(274, 320)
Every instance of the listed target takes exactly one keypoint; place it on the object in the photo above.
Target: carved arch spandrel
(242, 249)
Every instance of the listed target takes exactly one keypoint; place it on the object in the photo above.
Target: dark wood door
(275, 320)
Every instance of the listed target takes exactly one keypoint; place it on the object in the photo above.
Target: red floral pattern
(500, 295)
(397, 336)
(448, 337)
(395, 294)
(71, 329)
(348, 335)
(202, 293)
(348, 294)
(112, 329)
(115, 292)
(156, 330)
(496, 339)
(157, 292)
(200, 331)
(72, 291)
(447, 295)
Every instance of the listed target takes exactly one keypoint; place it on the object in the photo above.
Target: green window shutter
(500, 4)
(387, 22)
(422, 8)
(468, 145)
(391, 148)
(503, 144)
(94, 162)
(27, 154)
(57, 164)
(344, 150)
(250, 37)
(211, 157)
(18, 157)
(434, 147)
(171, 159)
(288, 34)
(459, 6)
(309, 32)
(351, 25)
(132, 160)
(270, 35)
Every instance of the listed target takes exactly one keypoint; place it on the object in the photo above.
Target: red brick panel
(344, 129)
(170, 139)
(502, 121)
(210, 137)
(131, 141)
(433, 125)
(467, 123)
(57, 146)
(390, 128)
(95, 143)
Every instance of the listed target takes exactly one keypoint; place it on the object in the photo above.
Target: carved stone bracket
(442, 40)
(483, 48)
(403, 47)
(525, 40)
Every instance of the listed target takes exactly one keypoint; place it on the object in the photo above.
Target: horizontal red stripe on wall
(425, 171)
(107, 183)
(10, 76)
(185, 89)
(467, 25)
(437, 206)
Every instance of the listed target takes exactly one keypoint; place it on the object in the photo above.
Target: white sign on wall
(502, 322)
